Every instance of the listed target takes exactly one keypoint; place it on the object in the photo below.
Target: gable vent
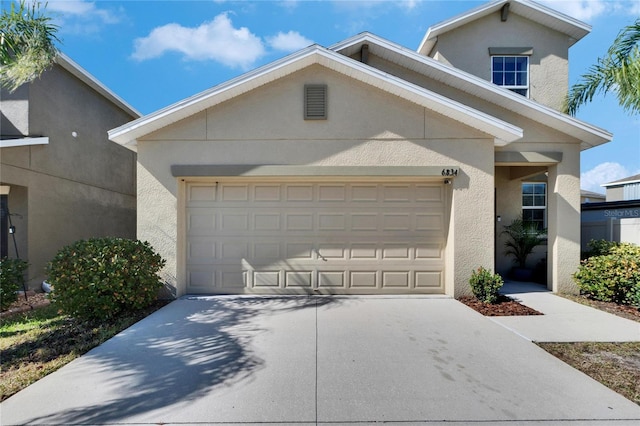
(315, 101)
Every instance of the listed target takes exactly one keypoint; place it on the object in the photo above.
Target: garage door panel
(202, 193)
(297, 237)
(201, 222)
(332, 193)
(429, 251)
(328, 279)
(396, 279)
(201, 279)
(298, 193)
(364, 279)
(298, 279)
(267, 193)
(267, 221)
(397, 193)
(267, 250)
(232, 279)
(428, 279)
(234, 192)
(267, 279)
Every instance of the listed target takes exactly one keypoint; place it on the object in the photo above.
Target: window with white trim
(511, 72)
(534, 203)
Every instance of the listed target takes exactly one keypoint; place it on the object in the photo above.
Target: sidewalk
(563, 320)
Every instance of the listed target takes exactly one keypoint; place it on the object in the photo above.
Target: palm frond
(27, 44)
(617, 71)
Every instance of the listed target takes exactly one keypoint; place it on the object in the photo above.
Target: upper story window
(511, 72)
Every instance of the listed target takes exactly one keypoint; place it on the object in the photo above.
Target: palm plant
(27, 44)
(522, 238)
(618, 71)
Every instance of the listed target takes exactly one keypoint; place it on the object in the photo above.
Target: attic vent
(315, 101)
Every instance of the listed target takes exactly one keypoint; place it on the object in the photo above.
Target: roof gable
(543, 15)
(502, 132)
(589, 135)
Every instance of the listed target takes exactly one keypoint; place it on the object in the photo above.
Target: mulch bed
(33, 301)
(625, 311)
(504, 307)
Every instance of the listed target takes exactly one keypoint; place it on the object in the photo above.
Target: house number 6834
(449, 172)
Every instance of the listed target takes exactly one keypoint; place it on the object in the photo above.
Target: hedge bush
(613, 276)
(485, 285)
(99, 278)
(11, 280)
(599, 248)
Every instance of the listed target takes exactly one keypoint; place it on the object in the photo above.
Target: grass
(38, 342)
(615, 365)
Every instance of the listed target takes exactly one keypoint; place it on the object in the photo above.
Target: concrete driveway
(309, 360)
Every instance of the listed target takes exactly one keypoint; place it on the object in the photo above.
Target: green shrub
(99, 278)
(612, 277)
(485, 285)
(11, 280)
(599, 248)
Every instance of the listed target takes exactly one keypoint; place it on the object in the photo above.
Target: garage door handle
(324, 259)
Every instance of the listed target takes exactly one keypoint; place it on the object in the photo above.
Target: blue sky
(154, 53)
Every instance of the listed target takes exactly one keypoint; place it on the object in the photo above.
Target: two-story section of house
(369, 168)
(523, 47)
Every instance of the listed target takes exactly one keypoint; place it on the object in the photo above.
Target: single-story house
(369, 168)
(617, 218)
(61, 179)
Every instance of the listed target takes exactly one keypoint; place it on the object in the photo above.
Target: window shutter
(315, 102)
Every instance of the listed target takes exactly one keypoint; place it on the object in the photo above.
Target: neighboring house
(626, 189)
(617, 218)
(368, 168)
(591, 197)
(61, 178)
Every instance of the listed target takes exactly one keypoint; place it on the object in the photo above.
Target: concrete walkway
(564, 320)
(318, 360)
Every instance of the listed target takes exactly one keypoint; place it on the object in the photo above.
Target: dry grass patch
(38, 342)
(615, 365)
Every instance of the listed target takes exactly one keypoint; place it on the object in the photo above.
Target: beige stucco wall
(467, 48)
(563, 211)
(539, 136)
(365, 127)
(74, 187)
(615, 193)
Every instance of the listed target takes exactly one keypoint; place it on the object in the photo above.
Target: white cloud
(288, 42)
(584, 10)
(217, 40)
(82, 17)
(409, 4)
(587, 10)
(82, 9)
(603, 173)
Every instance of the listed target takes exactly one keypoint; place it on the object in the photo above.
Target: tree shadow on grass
(176, 355)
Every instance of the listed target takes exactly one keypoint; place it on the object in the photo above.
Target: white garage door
(332, 238)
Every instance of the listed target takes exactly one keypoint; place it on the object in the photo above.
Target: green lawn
(38, 342)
